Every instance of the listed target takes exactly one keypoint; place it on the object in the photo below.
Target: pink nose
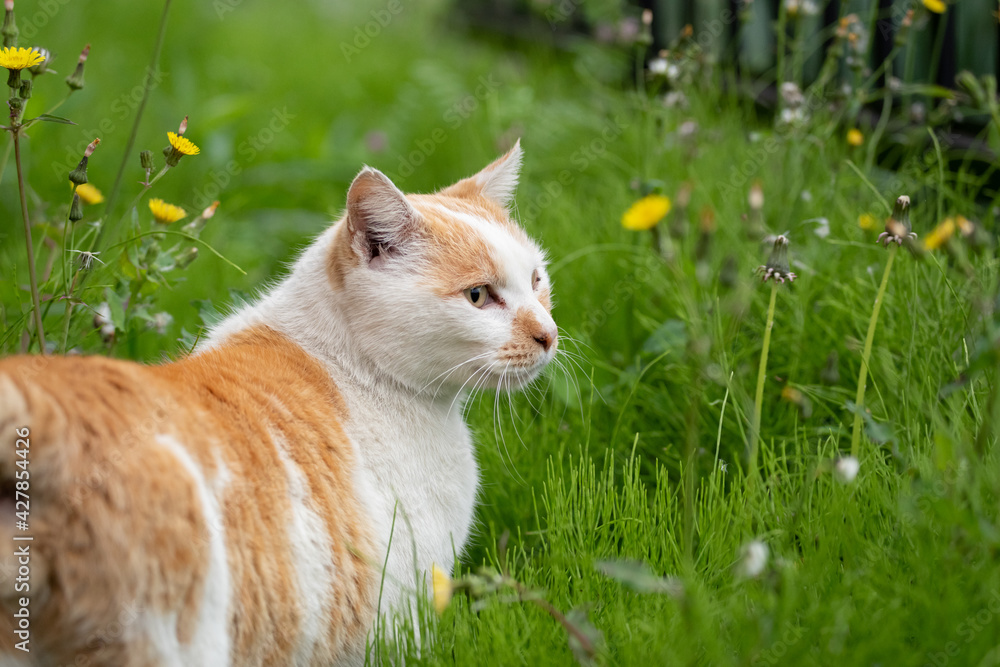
(546, 338)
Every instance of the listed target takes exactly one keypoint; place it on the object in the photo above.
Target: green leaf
(638, 576)
(117, 309)
(49, 118)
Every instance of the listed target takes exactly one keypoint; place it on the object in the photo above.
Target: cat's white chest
(418, 480)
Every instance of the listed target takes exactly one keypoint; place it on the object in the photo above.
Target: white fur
(310, 546)
(210, 645)
(404, 359)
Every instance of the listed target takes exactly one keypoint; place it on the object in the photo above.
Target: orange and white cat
(236, 507)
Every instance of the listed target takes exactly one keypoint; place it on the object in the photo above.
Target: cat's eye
(478, 295)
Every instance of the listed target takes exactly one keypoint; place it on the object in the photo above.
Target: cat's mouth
(513, 377)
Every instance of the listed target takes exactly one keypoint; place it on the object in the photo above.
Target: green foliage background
(899, 567)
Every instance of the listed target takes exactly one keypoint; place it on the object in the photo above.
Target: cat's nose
(546, 338)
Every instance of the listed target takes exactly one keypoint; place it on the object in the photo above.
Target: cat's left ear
(497, 182)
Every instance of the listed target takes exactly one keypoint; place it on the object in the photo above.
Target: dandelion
(897, 228)
(854, 137)
(88, 258)
(89, 194)
(866, 221)
(846, 469)
(42, 66)
(940, 234)
(179, 145)
(13, 58)
(936, 6)
(777, 268)
(753, 560)
(777, 264)
(646, 213)
(442, 587)
(165, 213)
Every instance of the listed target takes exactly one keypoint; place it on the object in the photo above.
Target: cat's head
(444, 290)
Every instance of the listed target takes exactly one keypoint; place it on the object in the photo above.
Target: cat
(236, 507)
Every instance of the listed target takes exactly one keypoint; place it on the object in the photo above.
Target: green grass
(899, 567)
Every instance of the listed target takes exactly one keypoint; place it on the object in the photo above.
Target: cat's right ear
(378, 216)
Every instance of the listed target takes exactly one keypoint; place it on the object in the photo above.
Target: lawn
(620, 520)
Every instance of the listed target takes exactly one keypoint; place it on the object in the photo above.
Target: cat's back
(203, 510)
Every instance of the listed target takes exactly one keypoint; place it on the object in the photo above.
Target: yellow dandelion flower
(182, 145)
(936, 6)
(940, 234)
(854, 137)
(89, 194)
(866, 221)
(645, 213)
(442, 588)
(165, 213)
(14, 58)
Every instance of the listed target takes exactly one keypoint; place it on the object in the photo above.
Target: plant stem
(761, 374)
(146, 87)
(36, 305)
(866, 355)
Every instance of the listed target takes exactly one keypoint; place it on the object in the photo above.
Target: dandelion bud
(897, 227)
(76, 209)
(777, 264)
(75, 80)
(24, 92)
(9, 31)
(186, 257)
(146, 160)
(79, 175)
(16, 104)
(42, 67)
(756, 197)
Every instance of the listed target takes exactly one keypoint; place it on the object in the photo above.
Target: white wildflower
(846, 469)
(754, 559)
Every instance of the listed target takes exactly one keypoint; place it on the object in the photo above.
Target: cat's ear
(496, 182)
(380, 219)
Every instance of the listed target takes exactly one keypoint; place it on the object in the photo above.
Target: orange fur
(116, 519)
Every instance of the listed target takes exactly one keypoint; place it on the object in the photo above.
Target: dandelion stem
(866, 355)
(146, 88)
(761, 374)
(36, 305)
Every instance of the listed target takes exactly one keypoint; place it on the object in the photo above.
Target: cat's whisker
(451, 370)
(481, 373)
(505, 389)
